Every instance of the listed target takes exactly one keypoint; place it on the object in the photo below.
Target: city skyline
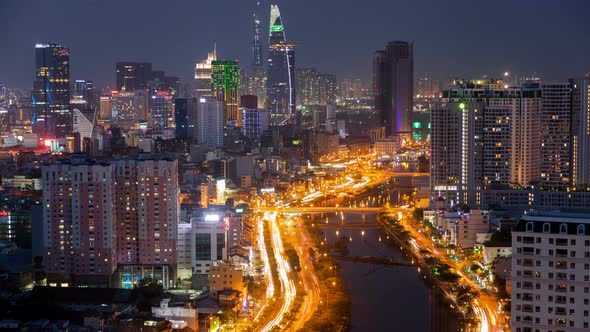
(422, 166)
(96, 50)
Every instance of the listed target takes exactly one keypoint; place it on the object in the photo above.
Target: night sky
(456, 38)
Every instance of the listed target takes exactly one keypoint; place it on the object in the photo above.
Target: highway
(287, 286)
(309, 280)
(319, 209)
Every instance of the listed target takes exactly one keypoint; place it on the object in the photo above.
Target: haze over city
(456, 38)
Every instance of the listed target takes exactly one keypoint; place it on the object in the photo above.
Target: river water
(387, 298)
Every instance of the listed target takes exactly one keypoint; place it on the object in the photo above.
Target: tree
(418, 214)
(423, 164)
(228, 315)
(293, 259)
(148, 289)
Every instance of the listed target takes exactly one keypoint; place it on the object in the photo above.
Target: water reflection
(385, 298)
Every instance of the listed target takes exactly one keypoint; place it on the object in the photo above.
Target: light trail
(287, 285)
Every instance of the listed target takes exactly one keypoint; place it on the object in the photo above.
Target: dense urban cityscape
(265, 195)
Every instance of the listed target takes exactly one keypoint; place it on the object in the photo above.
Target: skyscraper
(203, 75)
(133, 76)
(556, 119)
(128, 108)
(147, 209)
(51, 90)
(85, 92)
(258, 69)
(484, 135)
(210, 122)
(581, 132)
(225, 83)
(79, 223)
(281, 71)
(255, 122)
(4, 118)
(161, 110)
(184, 117)
(256, 42)
(84, 123)
(393, 84)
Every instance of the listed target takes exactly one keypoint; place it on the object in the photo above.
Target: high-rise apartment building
(315, 88)
(580, 137)
(393, 86)
(79, 223)
(210, 122)
(556, 119)
(352, 89)
(484, 135)
(131, 76)
(427, 88)
(225, 84)
(551, 272)
(52, 115)
(147, 207)
(102, 216)
(280, 87)
(203, 71)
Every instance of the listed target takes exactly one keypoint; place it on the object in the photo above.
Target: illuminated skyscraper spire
(203, 74)
(281, 70)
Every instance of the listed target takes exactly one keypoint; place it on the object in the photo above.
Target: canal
(386, 298)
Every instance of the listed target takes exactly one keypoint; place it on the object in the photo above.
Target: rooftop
(558, 216)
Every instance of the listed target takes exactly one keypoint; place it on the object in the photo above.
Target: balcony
(561, 242)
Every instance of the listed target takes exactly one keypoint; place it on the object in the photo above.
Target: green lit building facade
(225, 86)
